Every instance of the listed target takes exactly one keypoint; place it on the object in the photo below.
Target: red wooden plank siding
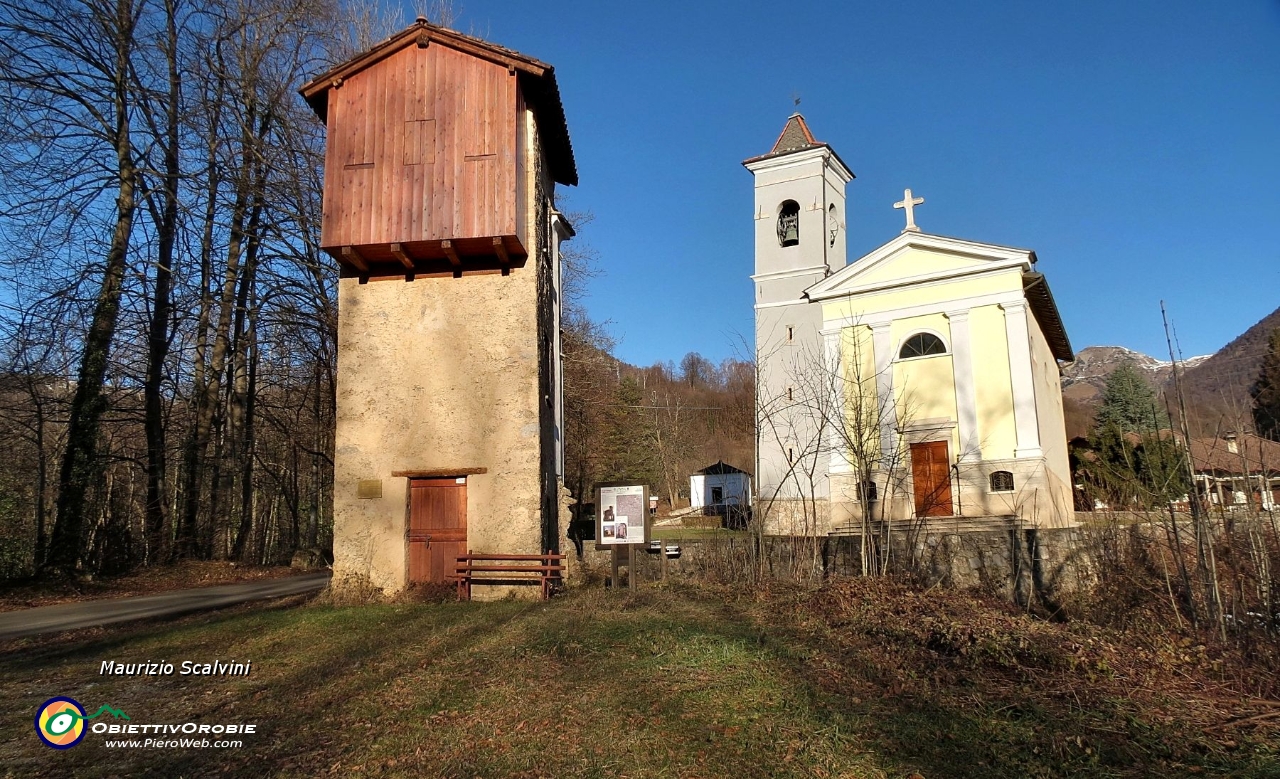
(420, 174)
(391, 165)
(425, 145)
(331, 199)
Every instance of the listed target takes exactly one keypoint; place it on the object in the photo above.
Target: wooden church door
(931, 479)
(437, 528)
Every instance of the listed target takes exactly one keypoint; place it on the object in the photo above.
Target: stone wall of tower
(451, 375)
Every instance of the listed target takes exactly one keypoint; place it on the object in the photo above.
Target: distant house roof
(721, 467)
(538, 80)
(1253, 455)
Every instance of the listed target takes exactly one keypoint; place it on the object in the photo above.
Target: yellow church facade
(914, 388)
(944, 358)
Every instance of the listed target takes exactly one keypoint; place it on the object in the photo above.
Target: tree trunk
(161, 305)
(193, 452)
(247, 375)
(80, 464)
(208, 399)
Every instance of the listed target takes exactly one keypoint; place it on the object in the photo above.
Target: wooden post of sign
(613, 582)
(631, 567)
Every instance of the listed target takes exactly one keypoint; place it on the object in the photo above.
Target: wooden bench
(546, 570)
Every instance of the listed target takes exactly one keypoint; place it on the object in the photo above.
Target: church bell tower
(799, 240)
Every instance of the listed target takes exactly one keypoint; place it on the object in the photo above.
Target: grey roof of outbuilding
(721, 467)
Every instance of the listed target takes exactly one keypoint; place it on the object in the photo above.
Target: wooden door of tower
(437, 528)
(931, 479)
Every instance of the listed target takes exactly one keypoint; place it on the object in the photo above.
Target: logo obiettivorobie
(60, 721)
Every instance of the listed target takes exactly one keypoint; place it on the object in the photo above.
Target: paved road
(90, 613)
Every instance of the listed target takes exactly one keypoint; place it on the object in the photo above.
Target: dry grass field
(864, 678)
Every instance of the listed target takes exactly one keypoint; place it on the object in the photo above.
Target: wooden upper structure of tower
(427, 161)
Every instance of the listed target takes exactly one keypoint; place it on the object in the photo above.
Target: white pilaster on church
(1024, 391)
(882, 347)
(966, 394)
(839, 462)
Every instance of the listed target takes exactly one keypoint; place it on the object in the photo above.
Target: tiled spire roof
(795, 136)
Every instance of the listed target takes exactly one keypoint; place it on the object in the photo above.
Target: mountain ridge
(1216, 386)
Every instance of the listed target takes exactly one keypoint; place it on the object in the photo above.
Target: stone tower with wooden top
(439, 204)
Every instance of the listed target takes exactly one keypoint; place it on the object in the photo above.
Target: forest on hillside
(168, 319)
(654, 425)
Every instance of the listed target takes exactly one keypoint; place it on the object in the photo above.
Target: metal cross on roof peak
(908, 203)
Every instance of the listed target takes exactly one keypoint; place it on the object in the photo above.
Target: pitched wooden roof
(537, 79)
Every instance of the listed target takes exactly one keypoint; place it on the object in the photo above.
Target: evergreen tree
(1266, 391)
(1132, 461)
(1129, 403)
(626, 451)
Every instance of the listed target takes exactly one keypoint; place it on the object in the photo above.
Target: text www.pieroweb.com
(173, 743)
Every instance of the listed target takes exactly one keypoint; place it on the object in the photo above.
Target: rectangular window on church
(790, 394)
(791, 333)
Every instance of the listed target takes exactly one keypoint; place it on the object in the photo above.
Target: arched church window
(833, 224)
(922, 345)
(789, 223)
(1002, 481)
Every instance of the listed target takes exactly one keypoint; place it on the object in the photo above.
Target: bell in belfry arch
(789, 223)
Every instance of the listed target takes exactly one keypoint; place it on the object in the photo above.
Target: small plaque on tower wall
(369, 488)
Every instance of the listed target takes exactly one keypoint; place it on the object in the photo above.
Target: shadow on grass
(671, 681)
(994, 717)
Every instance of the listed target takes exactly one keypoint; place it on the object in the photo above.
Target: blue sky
(1135, 146)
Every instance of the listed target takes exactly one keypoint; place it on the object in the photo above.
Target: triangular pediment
(916, 258)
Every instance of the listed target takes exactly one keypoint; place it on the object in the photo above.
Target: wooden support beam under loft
(451, 253)
(399, 253)
(500, 249)
(352, 256)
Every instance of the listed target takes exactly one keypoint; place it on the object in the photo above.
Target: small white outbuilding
(719, 485)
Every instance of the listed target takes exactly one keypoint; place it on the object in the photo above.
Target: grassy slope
(670, 682)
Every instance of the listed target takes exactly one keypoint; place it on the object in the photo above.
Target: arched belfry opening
(789, 223)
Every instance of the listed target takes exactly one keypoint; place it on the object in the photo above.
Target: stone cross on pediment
(908, 203)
